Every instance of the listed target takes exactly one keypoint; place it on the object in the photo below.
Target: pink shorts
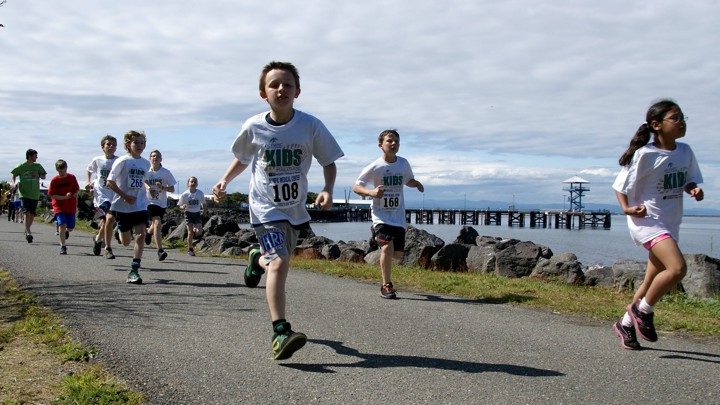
(649, 244)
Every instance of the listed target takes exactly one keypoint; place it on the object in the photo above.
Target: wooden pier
(511, 218)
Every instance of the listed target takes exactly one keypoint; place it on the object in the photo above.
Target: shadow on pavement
(369, 360)
(507, 298)
(685, 355)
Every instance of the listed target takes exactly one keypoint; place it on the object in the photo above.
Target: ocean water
(591, 246)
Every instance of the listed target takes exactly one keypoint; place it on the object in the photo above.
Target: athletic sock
(645, 308)
(626, 320)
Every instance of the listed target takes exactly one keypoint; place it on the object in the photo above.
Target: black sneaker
(97, 246)
(148, 238)
(388, 291)
(28, 238)
(628, 340)
(643, 322)
(63, 250)
(109, 253)
(162, 255)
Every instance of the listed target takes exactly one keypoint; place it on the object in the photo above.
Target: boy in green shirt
(29, 174)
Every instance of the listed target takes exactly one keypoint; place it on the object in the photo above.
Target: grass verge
(40, 363)
(676, 312)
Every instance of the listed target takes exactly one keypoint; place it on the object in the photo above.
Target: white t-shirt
(99, 169)
(194, 201)
(280, 158)
(155, 195)
(656, 179)
(390, 208)
(129, 174)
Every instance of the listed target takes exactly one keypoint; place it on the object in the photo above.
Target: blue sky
(493, 100)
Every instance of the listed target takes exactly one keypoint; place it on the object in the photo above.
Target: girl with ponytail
(650, 189)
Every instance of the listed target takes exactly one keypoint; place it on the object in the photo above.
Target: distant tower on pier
(576, 189)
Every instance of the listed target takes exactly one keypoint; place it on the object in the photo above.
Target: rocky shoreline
(469, 252)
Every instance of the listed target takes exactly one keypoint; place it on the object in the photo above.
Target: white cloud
(526, 92)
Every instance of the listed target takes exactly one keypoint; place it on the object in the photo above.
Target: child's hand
(219, 191)
(324, 200)
(378, 192)
(636, 211)
(697, 193)
(420, 187)
(130, 199)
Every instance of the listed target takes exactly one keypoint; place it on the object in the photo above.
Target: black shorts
(155, 211)
(127, 220)
(193, 218)
(29, 206)
(105, 206)
(383, 234)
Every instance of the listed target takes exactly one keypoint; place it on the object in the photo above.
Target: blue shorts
(62, 218)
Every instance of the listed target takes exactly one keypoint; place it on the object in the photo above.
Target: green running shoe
(134, 277)
(286, 344)
(253, 273)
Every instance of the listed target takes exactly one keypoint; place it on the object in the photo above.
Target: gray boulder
(564, 266)
(451, 257)
(330, 252)
(703, 276)
(373, 257)
(600, 276)
(628, 274)
(517, 260)
(179, 233)
(216, 225)
(481, 258)
(467, 236)
(420, 246)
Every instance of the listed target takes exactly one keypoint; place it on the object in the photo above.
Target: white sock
(626, 321)
(644, 307)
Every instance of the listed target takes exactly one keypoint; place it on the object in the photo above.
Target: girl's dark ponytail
(641, 138)
(656, 112)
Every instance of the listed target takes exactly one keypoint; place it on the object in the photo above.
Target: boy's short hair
(60, 164)
(191, 178)
(382, 135)
(107, 138)
(156, 152)
(287, 66)
(129, 135)
(29, 153)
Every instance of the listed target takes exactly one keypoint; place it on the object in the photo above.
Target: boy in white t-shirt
(127, 179)
(159, 182)
(388, 174)
(97, 173)
(192, 201)
(278, 147)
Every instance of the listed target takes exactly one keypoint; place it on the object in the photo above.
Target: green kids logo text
(394, 180)
(283, 157)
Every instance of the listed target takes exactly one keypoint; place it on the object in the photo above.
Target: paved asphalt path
(193, 333)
